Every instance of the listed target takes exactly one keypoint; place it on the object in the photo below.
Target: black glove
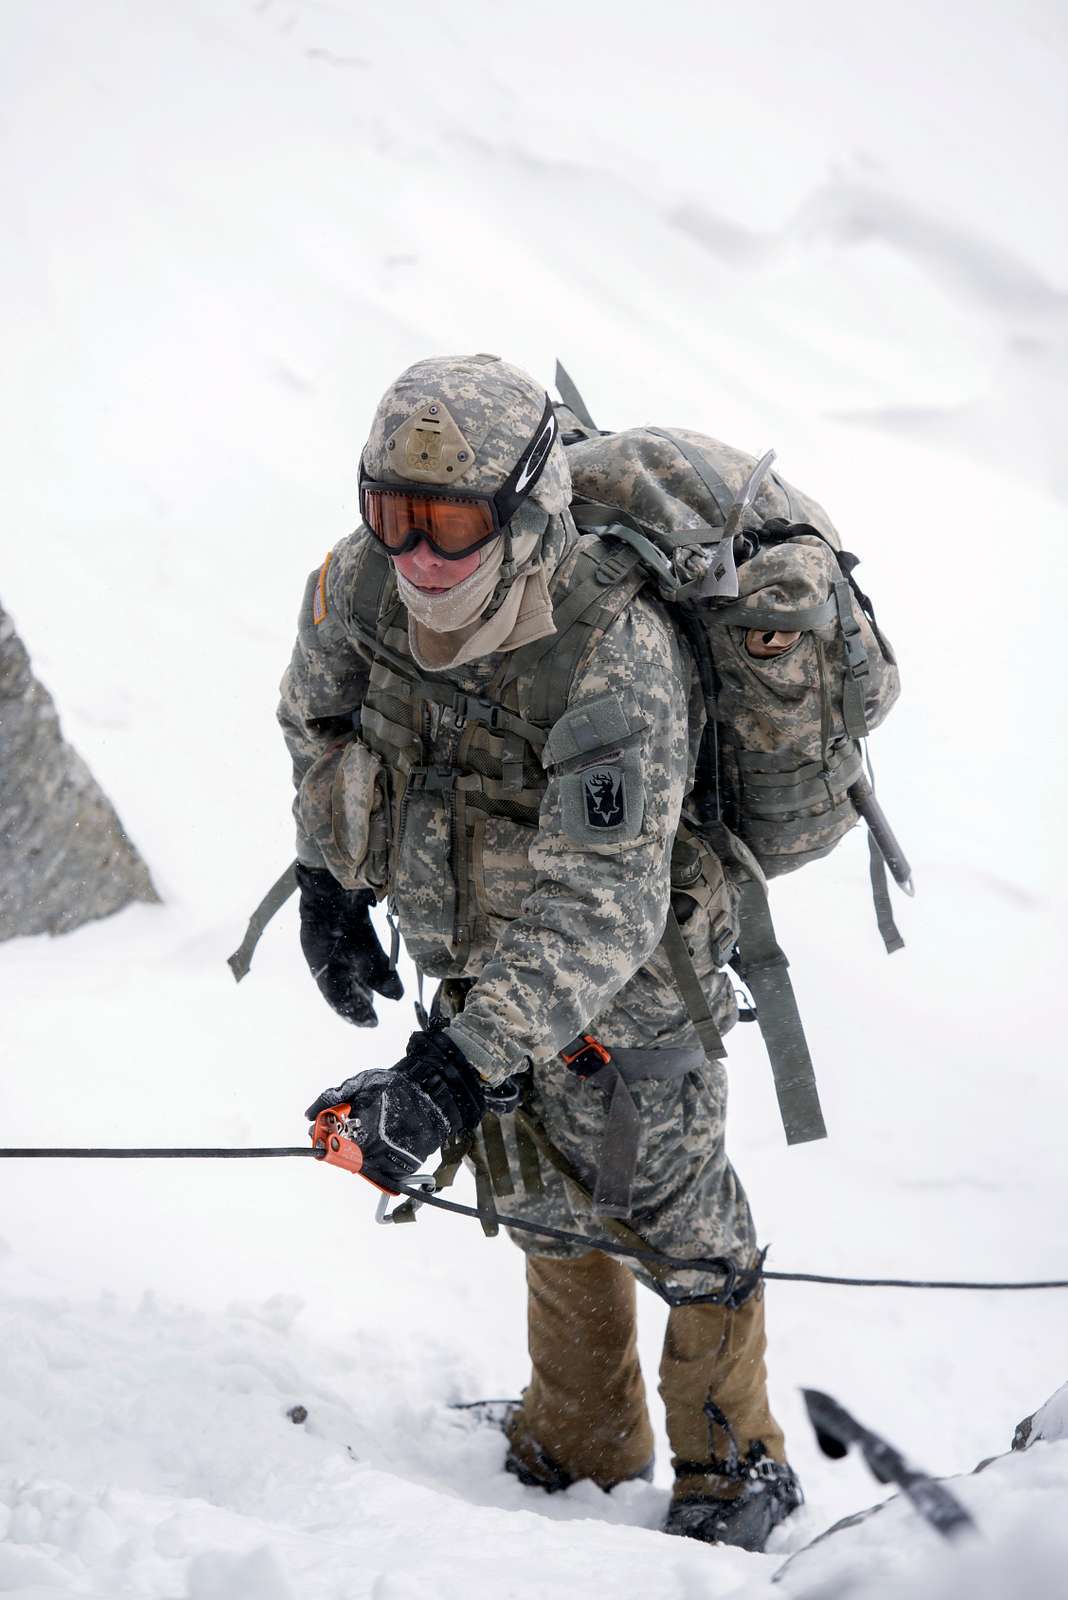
(405, 1114)
(341, 947)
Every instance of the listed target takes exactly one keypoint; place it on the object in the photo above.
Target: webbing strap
(769, 794)
(774, 837)
(784, 489)
(368, 624)
(722, 496)
(780, 766)
(529, 1165)
(689, 986)
(484, 1201)
(618, 1159)
(617, 1163)
(614, 1226)
(500, 1170)
(801, 620)
(366, 595)
(401, 665)
(465, 707)
(856, 669)
(609, 581)
(583, 594)
(273, 901)
(763, 966)
(606, 519)
(453, 1152)
(880, 893)
(452, 1155)
(468, 1146)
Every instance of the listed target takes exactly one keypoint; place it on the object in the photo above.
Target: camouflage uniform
(543, 880)
(564, 935)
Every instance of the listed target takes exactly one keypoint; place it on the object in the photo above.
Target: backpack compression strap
(763, 966)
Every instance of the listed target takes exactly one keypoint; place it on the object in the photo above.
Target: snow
(1051, 1420)
(229, 225)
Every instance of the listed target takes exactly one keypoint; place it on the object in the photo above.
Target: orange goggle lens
(454, 527)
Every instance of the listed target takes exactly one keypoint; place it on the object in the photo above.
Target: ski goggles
(452, 527)
(453, 524)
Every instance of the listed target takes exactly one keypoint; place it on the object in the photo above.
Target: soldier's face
(430, 573)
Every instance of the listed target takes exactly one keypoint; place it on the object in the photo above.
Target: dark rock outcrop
(64, 856)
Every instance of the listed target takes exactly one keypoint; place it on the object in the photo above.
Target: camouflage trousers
(687, 1199)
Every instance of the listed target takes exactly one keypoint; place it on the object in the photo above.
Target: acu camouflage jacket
(540, 859)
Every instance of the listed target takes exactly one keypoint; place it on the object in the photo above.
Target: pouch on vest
(344, 809)
(703, 898)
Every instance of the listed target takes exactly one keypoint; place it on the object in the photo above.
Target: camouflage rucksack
(731, 547)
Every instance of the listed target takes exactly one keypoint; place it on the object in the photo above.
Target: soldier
(541, 872)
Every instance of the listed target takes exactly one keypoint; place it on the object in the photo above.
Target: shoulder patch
(319, 606)
(604, 794)
(602, 802)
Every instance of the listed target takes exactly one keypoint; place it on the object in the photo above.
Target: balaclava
(466, 421)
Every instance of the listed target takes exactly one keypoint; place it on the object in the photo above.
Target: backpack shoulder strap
(606, 577)
(370, 586)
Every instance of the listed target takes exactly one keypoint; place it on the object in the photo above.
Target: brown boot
(583, 1414)
(730, 1490)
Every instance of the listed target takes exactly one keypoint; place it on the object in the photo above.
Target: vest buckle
(470, 708)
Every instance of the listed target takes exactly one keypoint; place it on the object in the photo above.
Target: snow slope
(228, 226)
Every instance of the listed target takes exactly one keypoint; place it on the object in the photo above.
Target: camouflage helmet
(467, 421)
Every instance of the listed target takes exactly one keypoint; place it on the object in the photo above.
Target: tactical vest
(434, 758)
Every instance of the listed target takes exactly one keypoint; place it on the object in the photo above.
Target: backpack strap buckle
(855, 653)
(614, 566)
(723, 936)
(434, 780)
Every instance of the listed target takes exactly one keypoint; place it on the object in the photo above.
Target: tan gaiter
(711, 1351)
(585, 1404)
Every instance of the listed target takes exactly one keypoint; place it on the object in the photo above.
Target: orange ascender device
(329, 1137)
(331, 1143)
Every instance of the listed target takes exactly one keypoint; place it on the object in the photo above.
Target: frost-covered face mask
(461, 603)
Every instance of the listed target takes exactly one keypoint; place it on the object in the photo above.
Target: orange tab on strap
(585, 1055)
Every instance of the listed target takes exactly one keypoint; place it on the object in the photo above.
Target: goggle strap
(529, 468)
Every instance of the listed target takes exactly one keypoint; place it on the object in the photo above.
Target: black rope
(913, 1283)
(713, 1264)
(718, 1263)
(158, 1153)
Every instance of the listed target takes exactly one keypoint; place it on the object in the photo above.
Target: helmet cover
(464, 421)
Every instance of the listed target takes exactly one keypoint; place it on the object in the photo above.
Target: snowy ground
(228, 225)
